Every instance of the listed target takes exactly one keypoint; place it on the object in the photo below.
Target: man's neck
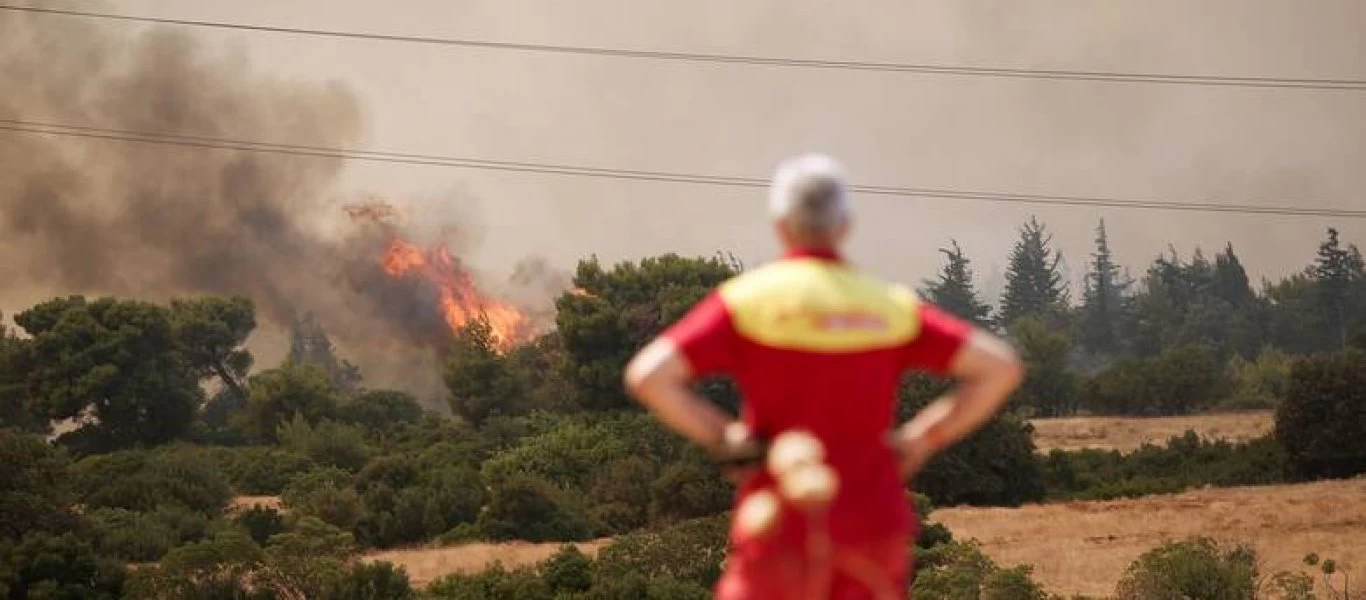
(820, 252)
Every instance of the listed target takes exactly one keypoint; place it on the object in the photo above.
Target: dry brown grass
(1128, 433)
(245, 502)
(426, 564)
(1084, 547)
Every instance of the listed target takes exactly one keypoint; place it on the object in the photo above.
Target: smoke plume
(155, 221)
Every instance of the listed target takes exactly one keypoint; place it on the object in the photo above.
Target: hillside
(1083, 547)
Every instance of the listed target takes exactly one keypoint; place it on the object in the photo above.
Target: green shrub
(326, 494)
(493, 583)
(959, 570)
(691, 551)
(128, 535)
(380, 410)
(328, 442)
(58, 566)
(1182, 380)
(1320, 424)
(1261, 383)
(260, 522)
(373, 581)
(524, 507)
(142, 480)
(35, 490)
(1194, 569)
(568, 570)
(1185, 461)
(261, 470)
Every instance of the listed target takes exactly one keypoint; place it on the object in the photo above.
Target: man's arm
(660, 378)
(987, 372)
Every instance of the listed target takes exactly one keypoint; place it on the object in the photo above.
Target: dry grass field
(1084, 547)
(1128, 433)
(425, 564)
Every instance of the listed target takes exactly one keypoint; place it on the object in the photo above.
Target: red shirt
(814, 345)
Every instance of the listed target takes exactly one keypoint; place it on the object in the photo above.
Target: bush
(130, 536)
(373, 581)
(326, 494)
(260, 522)
(524, 507)
(1320, 423)
(380, 410)
(1195, 569)
(959, 570)
(1262, 383)
(35, 490)
(260, 470)
(493, 583)
(691, 551)
(1181, 380)
(140, 480)
(58, 566)
(327, 443)
(1185, 461)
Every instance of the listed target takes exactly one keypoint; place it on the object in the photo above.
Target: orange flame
(461, 301)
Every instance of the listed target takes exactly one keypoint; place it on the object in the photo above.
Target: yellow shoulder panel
(820, 306)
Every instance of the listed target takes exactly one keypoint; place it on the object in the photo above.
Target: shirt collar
(829, 254)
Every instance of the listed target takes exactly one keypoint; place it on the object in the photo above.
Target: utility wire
(771, 61)
(216, 143)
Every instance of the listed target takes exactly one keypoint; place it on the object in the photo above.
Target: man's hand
(987, 371)
(660, 378)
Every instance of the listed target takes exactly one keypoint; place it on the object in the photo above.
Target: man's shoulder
(786, 277)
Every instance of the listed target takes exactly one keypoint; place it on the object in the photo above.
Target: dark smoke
(156, 221)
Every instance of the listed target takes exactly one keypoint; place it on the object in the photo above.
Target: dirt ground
(425, 564)
(1128, 433)
(1084, 547)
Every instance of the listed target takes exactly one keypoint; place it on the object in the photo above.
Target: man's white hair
(808, 195)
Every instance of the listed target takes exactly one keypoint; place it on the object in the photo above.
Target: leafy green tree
(1321, 420)
(380, 410)
(117, 358)
(379, 580)
(211, 332)
(568, 570)
(278, 395)
(953, 289)
(306, 560)
(1106, 305)
(1296, 323)
(1035, 286)
(690, 551)
(35, 490)
(615, 312)
(1182, 380)
(478, 376)
(1198, 569)
(1050, 389)
(1336, 271)
(18, 408)
(1230, 282)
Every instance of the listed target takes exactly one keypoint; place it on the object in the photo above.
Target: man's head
(808, 202)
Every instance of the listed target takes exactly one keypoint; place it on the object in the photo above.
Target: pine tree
(1230, 280)
(1105, 299)
(309, 345)
(1335, 271)
(953, 290)
(1034, 280)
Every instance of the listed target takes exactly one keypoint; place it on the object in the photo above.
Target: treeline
(1189, 334)
(547, 447)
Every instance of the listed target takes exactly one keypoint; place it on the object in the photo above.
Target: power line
(216, 143)
(771, 61)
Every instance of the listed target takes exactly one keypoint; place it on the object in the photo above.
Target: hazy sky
(1123, 140)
